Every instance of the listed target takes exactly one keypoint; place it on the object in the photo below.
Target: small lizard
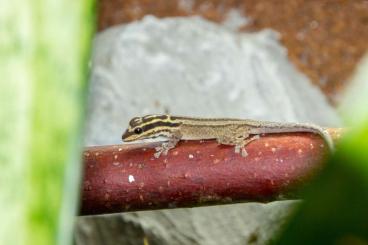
(236, 132)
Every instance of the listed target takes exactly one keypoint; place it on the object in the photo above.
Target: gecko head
(150, 126)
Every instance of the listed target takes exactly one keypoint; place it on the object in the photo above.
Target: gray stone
(189, 66)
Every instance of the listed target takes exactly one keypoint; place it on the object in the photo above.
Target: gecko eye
(138, 130)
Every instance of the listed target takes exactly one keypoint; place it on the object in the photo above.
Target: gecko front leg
(166, 146)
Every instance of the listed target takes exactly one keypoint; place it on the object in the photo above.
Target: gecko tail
(328, 139)
(323, 133)
(272, 127)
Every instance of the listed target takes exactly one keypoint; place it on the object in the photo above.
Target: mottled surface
(122, 178)
(325, 39)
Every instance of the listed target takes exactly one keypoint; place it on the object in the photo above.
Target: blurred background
(270, 60)
(74, 74)
(324, 39)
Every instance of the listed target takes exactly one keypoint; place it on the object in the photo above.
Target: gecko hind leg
(239, 140)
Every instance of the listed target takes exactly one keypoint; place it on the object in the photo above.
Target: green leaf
(44, 50)
(335, 207)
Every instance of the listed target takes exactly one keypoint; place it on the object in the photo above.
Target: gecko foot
(164, 148)
(157, 154)
(244, 153)
(240, 147)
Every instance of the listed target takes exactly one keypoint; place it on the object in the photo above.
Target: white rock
(189, 66)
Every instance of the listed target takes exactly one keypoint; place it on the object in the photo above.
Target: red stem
(128, 177)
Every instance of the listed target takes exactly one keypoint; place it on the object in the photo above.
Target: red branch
(128, 177)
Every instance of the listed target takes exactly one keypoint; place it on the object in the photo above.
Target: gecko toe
(157, 154)
(237, 149)
(244, 153)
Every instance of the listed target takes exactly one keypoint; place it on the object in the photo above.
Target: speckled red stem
(128, 177)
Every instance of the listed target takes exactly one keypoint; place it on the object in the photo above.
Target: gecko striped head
(150, 126)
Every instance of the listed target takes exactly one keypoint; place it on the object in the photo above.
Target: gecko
(227, 131)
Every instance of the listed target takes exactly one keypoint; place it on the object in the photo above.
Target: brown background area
(325, 38)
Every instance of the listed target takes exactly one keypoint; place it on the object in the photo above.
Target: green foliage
(335, 207)
(44, 49)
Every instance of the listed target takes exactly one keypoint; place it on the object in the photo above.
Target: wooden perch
(128, 177)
